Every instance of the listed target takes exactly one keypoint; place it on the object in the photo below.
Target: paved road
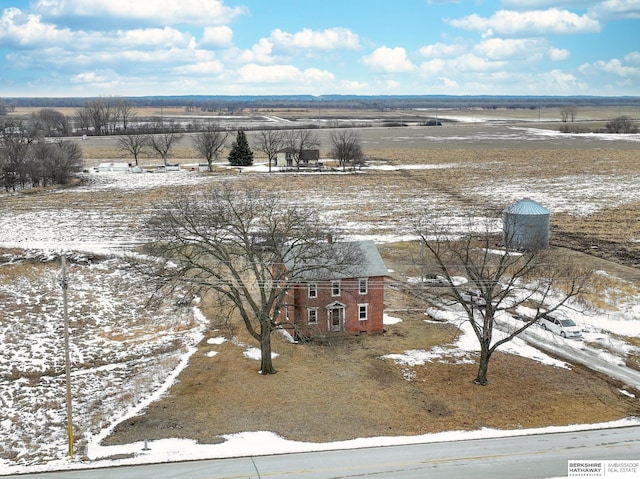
(569, 350)
(524, 457)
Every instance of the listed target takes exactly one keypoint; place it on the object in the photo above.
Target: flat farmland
(589, 182)
(456, 172)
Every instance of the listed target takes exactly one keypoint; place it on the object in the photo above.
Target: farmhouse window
(363, 312)
(363, 286)
(335, 288)
(312, 315)
(313, 290)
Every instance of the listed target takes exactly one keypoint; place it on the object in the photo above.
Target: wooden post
(64, 284)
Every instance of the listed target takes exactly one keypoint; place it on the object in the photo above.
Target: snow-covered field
(126, 354)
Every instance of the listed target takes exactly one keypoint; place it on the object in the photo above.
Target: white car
(474, 297)
(566, 328)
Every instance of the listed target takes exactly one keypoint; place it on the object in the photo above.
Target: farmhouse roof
(341, 260)
(309, 154)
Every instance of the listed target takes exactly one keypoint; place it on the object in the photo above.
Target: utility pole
(64, 285)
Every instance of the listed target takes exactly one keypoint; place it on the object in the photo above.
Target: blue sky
(364, 47)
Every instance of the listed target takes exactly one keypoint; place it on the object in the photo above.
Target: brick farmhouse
(328, 301)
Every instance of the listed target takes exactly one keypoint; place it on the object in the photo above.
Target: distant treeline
(221, 102)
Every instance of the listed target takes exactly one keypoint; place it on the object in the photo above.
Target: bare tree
(134, 144)
(16, 140)
(621, 124)
(209, 142)
(346, 148)
(27, 160)
(163, 142)
(97, 113)
(504, 279)
(236, 243)
(51, 122)
(299, 141)
(125, 112)
(270, 142)
(568, 113)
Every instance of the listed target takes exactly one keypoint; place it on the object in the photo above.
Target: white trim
(309, 314)
(364, 306)
(336, 284)
(366, 285)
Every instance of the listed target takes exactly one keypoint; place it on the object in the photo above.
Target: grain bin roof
(528, 207)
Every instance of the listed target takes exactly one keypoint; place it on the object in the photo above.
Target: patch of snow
(254, 353)
(386, 319)
(418, 357)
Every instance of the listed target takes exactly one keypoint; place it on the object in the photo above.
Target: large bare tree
(106, 115)
(164, 141)
(210, 141)
(235, 242)
(568, 113)
(270, 142)
(502, 278)
(134, 144)
(347, 148)
(621, 124)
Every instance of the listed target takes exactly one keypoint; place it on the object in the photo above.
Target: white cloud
(354, 85)
(253, 73)
(433, 67)
(392, 60)
(221, 36)
(438, 50)
(533, 23)
(633, 58)
(616, 9)
(473, 63)
(628, 69)
(467, 63)
(559, 54)
(97, 81)
(261, 52)
(523, 49)
(499, 48)
(449, 84)
(27, 30)
(540, 4)
(164, 37)
(86, 77)
(164, 12)
(559, 81)
(213, 67)
(279, 44)
(329, 39)
(316, 75)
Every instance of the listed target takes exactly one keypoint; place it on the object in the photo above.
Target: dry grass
(343, 389)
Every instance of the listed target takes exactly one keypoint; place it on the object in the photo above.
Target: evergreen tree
(241, 154)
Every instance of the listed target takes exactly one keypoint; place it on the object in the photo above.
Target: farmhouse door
(336, 316)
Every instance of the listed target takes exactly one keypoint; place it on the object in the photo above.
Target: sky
(71, 48)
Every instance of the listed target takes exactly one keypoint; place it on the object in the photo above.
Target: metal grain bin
(526, 225)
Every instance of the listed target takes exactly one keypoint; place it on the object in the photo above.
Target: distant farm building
(286, 158)
(526, 225)
(121, 167)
